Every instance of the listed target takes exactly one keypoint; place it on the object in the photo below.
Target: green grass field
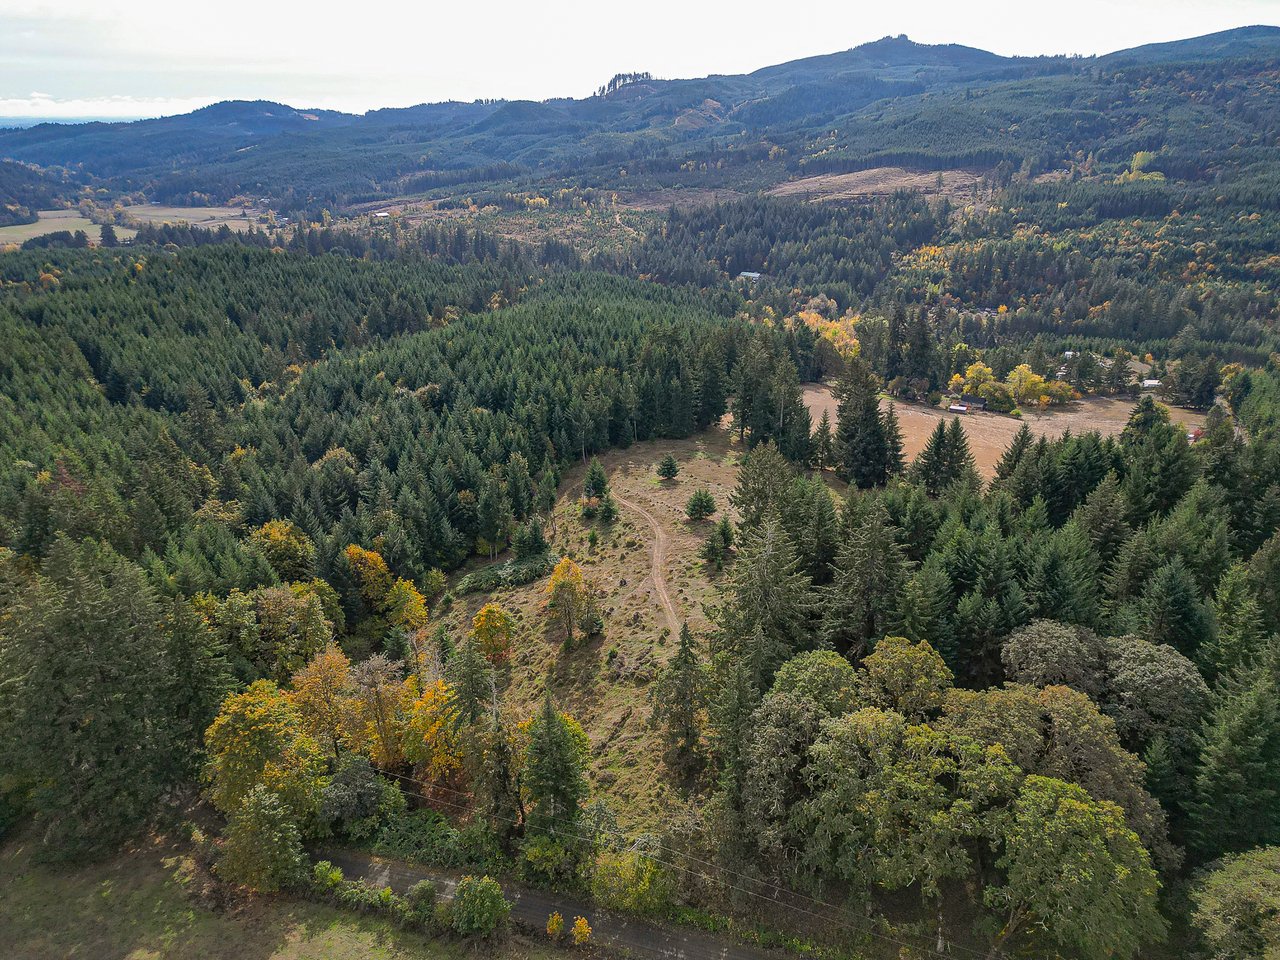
(141, 905)
(52, 221)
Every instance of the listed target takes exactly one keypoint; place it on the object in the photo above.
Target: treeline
(929, 672)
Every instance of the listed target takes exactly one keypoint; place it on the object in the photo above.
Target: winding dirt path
(658, 567)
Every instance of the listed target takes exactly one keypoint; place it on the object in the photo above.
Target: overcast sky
(147, 57)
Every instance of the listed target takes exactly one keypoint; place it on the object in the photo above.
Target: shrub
(325, 877)
(422, 836)
(420, 901)
(479, 908)
(633, 882)
(555, 926)
(512, 573)
(263, 849)
(547, 862)
(581, 931)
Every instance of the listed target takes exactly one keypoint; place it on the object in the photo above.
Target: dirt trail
(658, 569)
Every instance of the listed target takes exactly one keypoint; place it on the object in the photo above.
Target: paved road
(658, 566)
(532, 908)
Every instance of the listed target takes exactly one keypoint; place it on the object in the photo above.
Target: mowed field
(879, 181)
(237, 218)
(990, 433)
(51, 221)
(649, 578)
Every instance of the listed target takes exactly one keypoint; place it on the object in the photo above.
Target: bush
(422, 836)
(633, 882)
(555, 926)
(479, 908)
(512, 573)
(547, 862)
(420, 902)
(263, 848)
(325, 877)
(581, 931)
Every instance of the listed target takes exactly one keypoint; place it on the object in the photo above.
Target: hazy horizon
(108, 60)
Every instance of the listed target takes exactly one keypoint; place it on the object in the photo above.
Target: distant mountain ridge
(300, 156)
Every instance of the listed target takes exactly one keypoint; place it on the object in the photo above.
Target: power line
(838, 920)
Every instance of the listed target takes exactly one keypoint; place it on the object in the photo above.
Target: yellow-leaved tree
(430, 734)
(566, 598)
(258, 739)
(323, 692)
(493, 628)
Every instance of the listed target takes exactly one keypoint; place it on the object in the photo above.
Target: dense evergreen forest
(247, 482)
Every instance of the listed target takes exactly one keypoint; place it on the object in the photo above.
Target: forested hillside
(624, 574)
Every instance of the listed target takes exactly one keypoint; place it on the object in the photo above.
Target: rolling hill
(890, 101)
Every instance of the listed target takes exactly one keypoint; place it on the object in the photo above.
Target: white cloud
(123, 107)
(399, 52)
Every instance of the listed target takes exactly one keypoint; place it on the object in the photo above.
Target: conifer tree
(554, 773)
(1101, 517)
(471, 681)
(930, 466)
(1173, 612)
(860, 602)
(861, 444)
(679, 698)
(823, 443)
(1240, 635)
(1236, 804)
(769, 601)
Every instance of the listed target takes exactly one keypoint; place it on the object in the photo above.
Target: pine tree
(679, 697)
(959, 460)
(1240, 635)
(823, 443)
(596, 483)
(554, 774)
(923, 608)
(1236, 802)
(471, 680)
(1013, 455)
(861, 445)
(1101, 517)
(668, 468)
(893, 442)
(1173, 612)
(769, 600)
(701, 505)
(930, 466)
(860, 603)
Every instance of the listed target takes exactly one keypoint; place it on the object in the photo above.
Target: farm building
(973, 401)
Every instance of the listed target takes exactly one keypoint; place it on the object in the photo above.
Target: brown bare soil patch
(876, 182)
(990, 433)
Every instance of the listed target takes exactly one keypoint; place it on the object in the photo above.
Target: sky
(132, 58)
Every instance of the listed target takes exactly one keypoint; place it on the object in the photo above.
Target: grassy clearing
(51, 221)
(140, 905)
(605, 683)
(237, 218)
(991, 433)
